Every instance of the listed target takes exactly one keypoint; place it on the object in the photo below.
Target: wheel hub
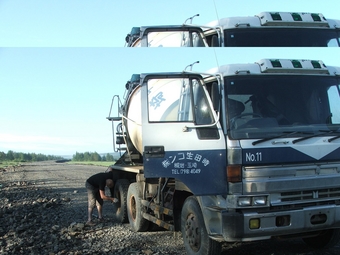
(133, 210)
(192, 232)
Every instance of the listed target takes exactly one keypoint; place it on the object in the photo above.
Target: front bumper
(236, 224)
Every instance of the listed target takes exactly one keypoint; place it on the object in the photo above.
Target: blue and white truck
(243, 152)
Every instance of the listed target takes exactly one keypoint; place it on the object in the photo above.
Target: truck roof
(278, 19)
(263, 66)
(279, 66)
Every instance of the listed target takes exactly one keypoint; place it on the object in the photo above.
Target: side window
(174, 39)
(169, 100)
(168, 39)
(334, 102)
(178, 100)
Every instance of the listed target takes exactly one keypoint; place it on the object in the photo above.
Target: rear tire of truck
(326, 239)
(120, 192)
(195, 236)
(136, 209)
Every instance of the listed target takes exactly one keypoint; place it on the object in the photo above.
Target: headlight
(244, 201)
(260, 200)
(252, 201)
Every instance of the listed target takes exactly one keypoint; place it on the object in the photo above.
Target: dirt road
(64, 179)
(43, 210)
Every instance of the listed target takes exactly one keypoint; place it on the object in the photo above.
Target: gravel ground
(43, 210)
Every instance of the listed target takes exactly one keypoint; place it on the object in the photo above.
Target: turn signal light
(234, 173)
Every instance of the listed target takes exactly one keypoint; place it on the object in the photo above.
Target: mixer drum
(134, 115)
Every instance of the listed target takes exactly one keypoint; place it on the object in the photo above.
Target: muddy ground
(43, 210)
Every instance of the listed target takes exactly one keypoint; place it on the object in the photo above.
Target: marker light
(316, 17)
(316, 64)
(293, 66)
(276, 16)
(296, 64)
(276, 63)
(296, 17)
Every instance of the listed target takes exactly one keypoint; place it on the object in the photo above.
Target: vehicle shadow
(275, 247)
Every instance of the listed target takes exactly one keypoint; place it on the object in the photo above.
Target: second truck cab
(273, 29)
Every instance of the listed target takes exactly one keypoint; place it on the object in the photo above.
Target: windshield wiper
(335, 137)
(285, 134)
(319, 134)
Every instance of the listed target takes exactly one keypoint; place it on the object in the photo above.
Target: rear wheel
(136, 209)
(195, 236)
(326, 239)
(120, 192)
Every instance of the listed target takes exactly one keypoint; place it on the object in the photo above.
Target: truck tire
(326, 239)
(195, 236)
(120, 192)
(136, 209)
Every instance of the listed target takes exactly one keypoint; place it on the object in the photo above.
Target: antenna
(218, 19)
(191, 18)
(190, 66)
(216, 59)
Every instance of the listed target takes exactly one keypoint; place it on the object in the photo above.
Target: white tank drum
(134, 118)
(167, 98)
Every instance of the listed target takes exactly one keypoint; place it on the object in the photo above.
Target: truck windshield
(272, 105)
(281, 37)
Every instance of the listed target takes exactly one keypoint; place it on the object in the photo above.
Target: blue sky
(105, 23)
(61, 62)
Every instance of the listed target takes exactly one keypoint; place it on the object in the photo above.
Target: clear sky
(62, 61)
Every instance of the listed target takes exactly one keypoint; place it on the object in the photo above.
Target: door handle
(154, 151)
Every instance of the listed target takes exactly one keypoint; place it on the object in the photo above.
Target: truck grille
(310, 195)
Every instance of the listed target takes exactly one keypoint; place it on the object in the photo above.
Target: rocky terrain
(43, 211)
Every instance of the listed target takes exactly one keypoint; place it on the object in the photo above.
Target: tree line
(33, 157)
(26, 157)
(92, 156)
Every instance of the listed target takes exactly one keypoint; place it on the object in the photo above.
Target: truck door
(180, 136)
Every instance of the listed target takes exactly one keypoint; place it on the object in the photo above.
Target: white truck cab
(280, 29)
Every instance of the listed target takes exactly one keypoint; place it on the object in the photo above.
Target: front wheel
(326, 239)
(135, 209)
(195, 236)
